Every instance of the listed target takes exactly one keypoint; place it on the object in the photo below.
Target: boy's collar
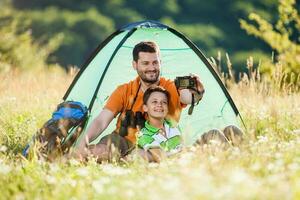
(153, 129)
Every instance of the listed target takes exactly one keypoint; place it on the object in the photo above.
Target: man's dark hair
(152, 89)
(146, 46)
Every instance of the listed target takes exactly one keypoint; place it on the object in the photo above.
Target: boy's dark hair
(152, 89)
(146, 46)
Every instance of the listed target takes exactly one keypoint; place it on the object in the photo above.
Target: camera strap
(191, 108)
(136, 94)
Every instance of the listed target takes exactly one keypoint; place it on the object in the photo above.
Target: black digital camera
(132, 120)
(185, 82)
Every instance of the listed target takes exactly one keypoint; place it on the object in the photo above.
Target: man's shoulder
(166, 83)
(131, 83)
(164, 80)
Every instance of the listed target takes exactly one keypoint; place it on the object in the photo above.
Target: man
(127, 100)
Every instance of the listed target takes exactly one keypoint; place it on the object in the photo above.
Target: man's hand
(82, 148)
(98, 125)
(198, 94)
(185, 94)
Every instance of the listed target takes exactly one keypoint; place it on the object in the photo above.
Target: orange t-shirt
(122, 98)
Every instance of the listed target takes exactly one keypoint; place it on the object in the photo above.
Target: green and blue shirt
(152, 137)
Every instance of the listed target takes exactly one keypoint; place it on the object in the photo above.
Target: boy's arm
(152, 155)
(150, 149)
(157, 154)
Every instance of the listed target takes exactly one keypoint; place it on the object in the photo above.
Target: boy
(159, 137)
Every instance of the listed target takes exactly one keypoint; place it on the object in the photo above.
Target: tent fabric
(110, 65)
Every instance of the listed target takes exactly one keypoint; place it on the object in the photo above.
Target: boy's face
(157, 105)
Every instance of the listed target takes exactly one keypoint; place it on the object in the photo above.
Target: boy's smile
(157, 106)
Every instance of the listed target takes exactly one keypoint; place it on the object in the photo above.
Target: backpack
(59, 133)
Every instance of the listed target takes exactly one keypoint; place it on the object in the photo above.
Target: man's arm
(98, 125)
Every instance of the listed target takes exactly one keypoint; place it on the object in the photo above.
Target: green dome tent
(110, 65)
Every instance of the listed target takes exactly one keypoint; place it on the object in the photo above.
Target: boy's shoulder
(171, 123)
(151, 130)
(148, 129)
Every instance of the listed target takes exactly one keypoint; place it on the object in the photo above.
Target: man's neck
(145, 86)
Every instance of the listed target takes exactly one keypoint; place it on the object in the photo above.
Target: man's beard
(144, 78)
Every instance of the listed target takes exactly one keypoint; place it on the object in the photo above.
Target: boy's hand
(157, 154)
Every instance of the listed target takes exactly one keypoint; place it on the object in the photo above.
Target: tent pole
(107, 66)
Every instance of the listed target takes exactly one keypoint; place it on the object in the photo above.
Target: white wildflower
(69, 181)
(215, 142)
(279, 164)
(293, 166)
(20, 196)
(74, 162)
(72, 182)
(278, 155)
(262, 139)
(82, 172)
(54, 168)
(193, 148)
(236, 151)
(4, 169)
(115, 170)
(3, 148)
(275, 178)
(149, 179)
(213, 159)
(11, 98)
(153, 165)
(186, 159)
(270, 166)
(130, 183)
(129, 193)
(112, 190)
(256, 166)
(50, 180)
(98, 186)
(170, 183)
(296, 131)
(101, 182)
(239, 176)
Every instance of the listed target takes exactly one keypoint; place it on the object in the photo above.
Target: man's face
(148, 66)
(157, 105)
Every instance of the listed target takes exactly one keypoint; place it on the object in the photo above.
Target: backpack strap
(72, 104)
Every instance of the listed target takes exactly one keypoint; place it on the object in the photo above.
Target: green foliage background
(78, 27)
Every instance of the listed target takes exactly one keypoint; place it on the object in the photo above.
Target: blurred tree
(119, 12)
(155, 9)
(283, 37)
(82, 32)
(212, 25)
(17, 48)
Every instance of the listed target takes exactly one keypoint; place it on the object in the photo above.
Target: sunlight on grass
(266, 166)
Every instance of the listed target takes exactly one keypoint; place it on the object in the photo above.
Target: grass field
(266, 166)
